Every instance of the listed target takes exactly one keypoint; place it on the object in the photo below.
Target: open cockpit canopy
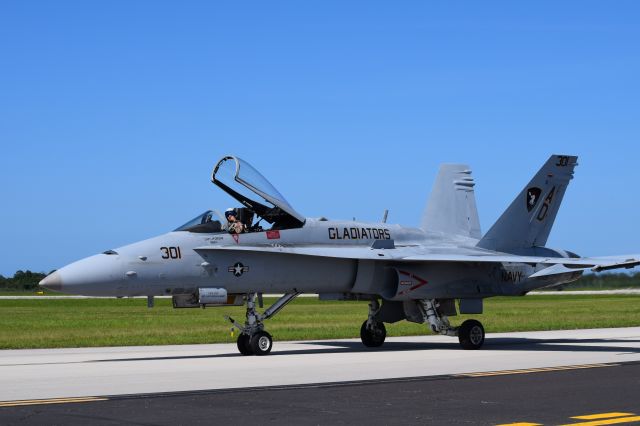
(244, 183)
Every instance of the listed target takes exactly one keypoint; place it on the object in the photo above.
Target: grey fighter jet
(423, 275)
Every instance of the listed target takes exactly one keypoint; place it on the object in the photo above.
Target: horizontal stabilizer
(557, 269)
(626, 264)
(603, 264)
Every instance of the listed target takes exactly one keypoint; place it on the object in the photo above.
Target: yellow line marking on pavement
(520, 424)
(51, 401)
(607, 422)
(533, 370)
(602, 416)
(598, 419)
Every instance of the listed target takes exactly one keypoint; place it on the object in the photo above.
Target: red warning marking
(273, 235)
(236, 238)
(421, 282)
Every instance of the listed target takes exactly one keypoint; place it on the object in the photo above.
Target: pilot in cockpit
(234, 226)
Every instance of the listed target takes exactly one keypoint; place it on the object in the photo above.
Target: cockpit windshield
(240, 180)
(207, 222)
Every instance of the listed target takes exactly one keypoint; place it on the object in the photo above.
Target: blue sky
(112, 114)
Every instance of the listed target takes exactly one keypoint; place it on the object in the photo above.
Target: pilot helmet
(230, 212)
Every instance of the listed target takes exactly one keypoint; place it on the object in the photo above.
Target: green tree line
(604, 281)
(21, 281)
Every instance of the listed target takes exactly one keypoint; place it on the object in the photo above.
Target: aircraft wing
(409, 254)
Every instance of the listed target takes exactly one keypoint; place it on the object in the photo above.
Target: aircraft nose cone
(52, 282)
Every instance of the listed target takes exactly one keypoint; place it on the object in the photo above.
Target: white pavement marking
(584, 292)
(57, 373)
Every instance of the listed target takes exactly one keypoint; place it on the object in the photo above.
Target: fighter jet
(424, 275)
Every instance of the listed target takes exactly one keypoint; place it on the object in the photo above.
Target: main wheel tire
(261, 343)
(373, 337)
(471, 334)
(244, 344)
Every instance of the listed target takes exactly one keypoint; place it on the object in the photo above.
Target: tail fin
(528, 220)
(451, 208)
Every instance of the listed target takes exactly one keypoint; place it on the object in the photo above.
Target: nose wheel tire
(373, 337)
(261, 343)
(244, 344)
(471, 334)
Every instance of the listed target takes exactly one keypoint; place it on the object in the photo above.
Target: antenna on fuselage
(384, 216)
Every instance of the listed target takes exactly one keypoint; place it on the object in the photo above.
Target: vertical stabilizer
(528, 220)
(451, 208)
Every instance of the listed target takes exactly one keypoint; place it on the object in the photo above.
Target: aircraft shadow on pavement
(495, 344)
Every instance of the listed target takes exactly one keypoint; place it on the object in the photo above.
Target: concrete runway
(96, 372)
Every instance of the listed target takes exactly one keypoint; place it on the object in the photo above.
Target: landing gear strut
(373, 332)
(470, 333)
(253, 339)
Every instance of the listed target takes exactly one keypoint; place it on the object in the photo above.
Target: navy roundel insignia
(238, 269)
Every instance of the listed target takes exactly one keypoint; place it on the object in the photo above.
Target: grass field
(116, 322)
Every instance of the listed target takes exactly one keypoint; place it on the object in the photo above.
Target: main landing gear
(470, 334)
(253, 339)
(373, 332)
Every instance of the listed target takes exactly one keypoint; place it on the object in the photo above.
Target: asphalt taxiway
(578, 397)
(426, 375)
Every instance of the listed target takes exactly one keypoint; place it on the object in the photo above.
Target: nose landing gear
(253, 339)
(261, 343)
(244, 344)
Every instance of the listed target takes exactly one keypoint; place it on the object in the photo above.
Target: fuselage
(175, 263)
